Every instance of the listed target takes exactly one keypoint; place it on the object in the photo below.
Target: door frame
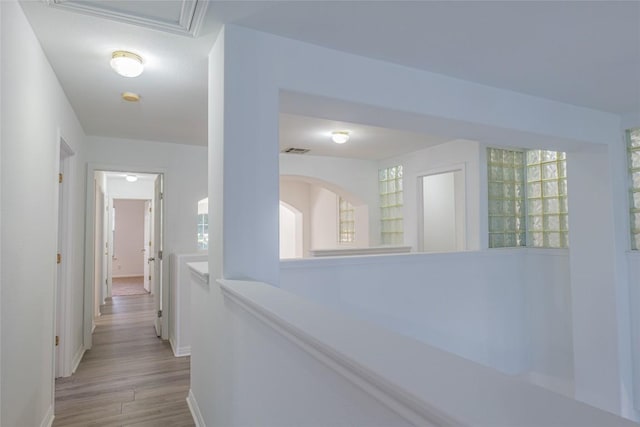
(89, 264)
(64, 198)
(455, 167)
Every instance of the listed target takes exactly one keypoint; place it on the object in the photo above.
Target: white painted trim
(403, 404)
(189, 22)
(200, 270)
(47, 421)
(195, 410)
(407, 387)
(372, 250)
(77, 359)
(185, 350)
(89, 246)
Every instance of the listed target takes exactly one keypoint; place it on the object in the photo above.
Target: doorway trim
(89, 264)
(64, 201)
(454, 167)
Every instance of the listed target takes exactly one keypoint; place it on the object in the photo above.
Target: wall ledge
(425, 385)
(200, 270)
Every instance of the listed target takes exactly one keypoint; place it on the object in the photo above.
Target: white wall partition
(35, 116)
(480, 312)
(243, 186)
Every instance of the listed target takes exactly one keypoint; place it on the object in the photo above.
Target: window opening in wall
(203, 224)
(547, 208)
(391, 202)
(506, 198)
(633, 149)
(529, 184)
(346, 221)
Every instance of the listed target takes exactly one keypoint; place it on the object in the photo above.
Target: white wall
(35, 111)
(248, 248)
(290, 233)
(128, 238)
(296, 194)
(442, 157)
(354, 179)
(479, 312)
(185, 181)
(324, 221)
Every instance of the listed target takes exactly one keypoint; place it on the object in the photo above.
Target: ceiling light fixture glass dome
(340, 136)
(131, 178)
(126, 64)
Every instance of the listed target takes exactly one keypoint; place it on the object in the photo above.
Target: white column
(596, 289)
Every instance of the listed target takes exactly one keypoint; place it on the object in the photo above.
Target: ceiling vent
(293, 150)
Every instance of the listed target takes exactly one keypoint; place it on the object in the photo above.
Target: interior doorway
(130, 248)
(127, 240)
(62, 366)
(442, 207)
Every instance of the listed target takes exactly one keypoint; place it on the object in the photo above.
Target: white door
(443, 212)
(100, 250)
(147, 253)
(59, 278)
(158, 245)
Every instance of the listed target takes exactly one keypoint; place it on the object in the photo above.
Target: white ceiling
(365, 142)
(582, 53)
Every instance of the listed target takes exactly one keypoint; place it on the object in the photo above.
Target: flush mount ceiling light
(340, 136)
(131, 97)
(131, 178)
(126, 64)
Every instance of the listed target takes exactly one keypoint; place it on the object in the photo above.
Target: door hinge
(160, 255)
(58, 258)
(149, 277)
(60, 178)
(159, 313)
(57, 340)
(161, 196)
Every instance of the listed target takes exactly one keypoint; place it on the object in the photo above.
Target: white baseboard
(77, 358)
(195, 410)
(179, 351)
(558, 385)
(127, 276)
(47, 421)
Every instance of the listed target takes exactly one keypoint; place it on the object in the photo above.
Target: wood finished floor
(129, 378)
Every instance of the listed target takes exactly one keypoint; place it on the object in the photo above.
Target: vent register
(293, 150)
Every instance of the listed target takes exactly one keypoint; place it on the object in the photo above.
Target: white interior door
(158, 245)
(147, 253)
(100, 250)
(443, 212)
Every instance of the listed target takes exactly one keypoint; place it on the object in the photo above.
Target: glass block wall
(547, 208)
(633, 147)
(505, 170)
(203, 231)
(346, 225)
(391, 201)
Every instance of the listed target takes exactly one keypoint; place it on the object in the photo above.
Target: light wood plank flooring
(129, 378)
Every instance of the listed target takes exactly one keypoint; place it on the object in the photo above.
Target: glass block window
(203, 231)
(391, 201)
(547, 208)
(633, 147)
(203, 224)
(347, 224)
(506, 198)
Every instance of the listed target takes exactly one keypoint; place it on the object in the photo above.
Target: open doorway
(130, 248)
(127, 240)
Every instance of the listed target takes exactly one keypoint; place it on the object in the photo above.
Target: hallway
(129, 378)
